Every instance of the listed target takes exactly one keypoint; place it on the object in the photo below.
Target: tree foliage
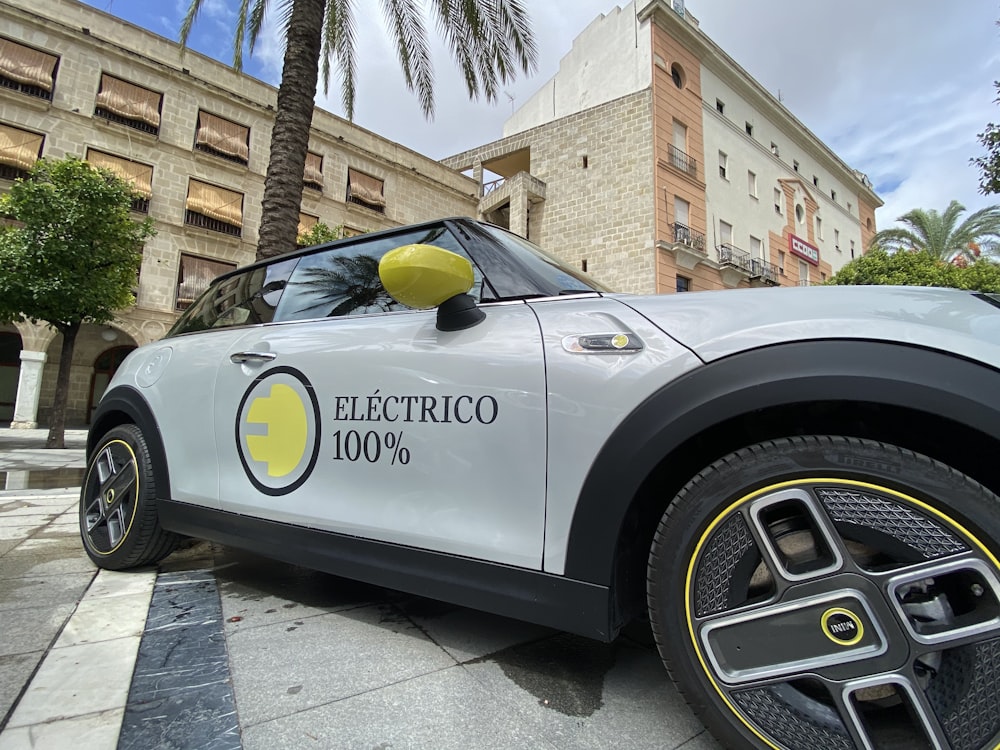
(71, 257)
(989, 164)
(918, 268)
(319, 233)
(940, 235)
(490, 40)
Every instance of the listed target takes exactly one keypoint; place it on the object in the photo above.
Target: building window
(306, 223)
(815, 180)
(833, 195)
(677, 75)
(852, 249)
(777, 200)
(19, 150)
(583, 265)
(800, 213)
(195, 276)
(749, 128)
(836, 240)
(221, 137)
(720, 106)
(803, 273)
(683, 284)
(138, 175)
(781, 262)
(586, 161)
(313, 176)
(366, 191)
(725, 233)
(723, 165)
(346, 231)
(868, 223)
(849, 207)
(819, 227)
(27, 70)
(795, 164)
(128, 104)
(214, 208)
(752, 184)
(774, 148)
(756, 247)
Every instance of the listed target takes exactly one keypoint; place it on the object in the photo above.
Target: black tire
(818, 593)
(118, 520)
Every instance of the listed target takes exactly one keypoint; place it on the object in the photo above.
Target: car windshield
(556, 274)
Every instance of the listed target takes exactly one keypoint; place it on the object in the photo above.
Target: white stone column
(29, 388)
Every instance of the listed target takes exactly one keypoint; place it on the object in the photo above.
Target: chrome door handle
(241, 357)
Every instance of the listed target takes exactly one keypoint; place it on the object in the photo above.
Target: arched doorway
(105, 366)
(10, 368)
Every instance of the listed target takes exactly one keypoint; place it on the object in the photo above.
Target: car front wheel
(830, 592)
(118, 519)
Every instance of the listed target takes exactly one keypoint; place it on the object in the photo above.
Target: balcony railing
(730, 255)
(761, 269)
(685, 235)
(680, 160)
(489, 187)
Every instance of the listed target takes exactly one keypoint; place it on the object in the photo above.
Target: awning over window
(365, 188)
(128, 100)
(215, 202)
(19, 148)
(223, 135)
(314, 169)
(306, 222)
(140, 175)
(195, 276)
(26, 65)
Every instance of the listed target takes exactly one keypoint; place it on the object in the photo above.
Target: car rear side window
(344, 280)
(249, 297)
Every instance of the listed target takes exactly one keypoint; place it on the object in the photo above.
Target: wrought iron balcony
(730, 255)
(680, 160)
(685, 235)
(761, 269)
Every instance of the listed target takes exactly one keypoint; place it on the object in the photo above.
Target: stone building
(193, 137)
(653, 161)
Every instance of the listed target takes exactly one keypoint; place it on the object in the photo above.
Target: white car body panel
(589, 394)
(719, 324)
(474, 489)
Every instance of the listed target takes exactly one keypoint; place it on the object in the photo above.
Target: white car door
(381, 426)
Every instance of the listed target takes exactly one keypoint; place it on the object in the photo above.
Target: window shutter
(128, 100)
(139, 175)
(223, 135)
(19, 148)
(364, 188)
(215, 202)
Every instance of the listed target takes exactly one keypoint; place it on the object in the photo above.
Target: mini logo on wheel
(842, 626)
(278, 431)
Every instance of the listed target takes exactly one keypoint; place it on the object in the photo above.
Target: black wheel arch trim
(931, 381)
(123, 405)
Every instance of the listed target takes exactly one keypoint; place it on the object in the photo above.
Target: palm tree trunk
(57, 422)
(290, 137)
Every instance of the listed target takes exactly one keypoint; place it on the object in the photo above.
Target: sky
(896, 88)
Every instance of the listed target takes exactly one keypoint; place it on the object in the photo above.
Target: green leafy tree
(489, 39)
(918, 268)
(989, 164)
(940, 235)
(72, 257)
(319, 233)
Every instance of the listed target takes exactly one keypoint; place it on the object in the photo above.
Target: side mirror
(424, 276)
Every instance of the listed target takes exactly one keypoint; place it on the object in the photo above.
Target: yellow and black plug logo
(278, 431)
(842, 626)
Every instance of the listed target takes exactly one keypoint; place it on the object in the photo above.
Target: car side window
(249, 297)
(344, 280)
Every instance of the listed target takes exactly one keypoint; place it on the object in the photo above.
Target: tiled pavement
(236, 651)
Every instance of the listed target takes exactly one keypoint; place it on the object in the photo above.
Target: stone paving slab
(308, 659)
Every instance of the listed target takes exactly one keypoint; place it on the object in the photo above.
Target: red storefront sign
(798, 246)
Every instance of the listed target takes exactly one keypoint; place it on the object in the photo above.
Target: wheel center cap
(109, 496)
(842, 626)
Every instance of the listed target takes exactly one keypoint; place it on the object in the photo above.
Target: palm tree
(941, 236)
(489, 40)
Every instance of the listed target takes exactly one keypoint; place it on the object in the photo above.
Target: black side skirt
(542, 598)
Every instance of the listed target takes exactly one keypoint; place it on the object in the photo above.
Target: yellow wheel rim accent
(774, 488)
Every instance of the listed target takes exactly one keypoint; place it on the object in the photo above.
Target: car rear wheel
(118, 519)
(828, 592)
